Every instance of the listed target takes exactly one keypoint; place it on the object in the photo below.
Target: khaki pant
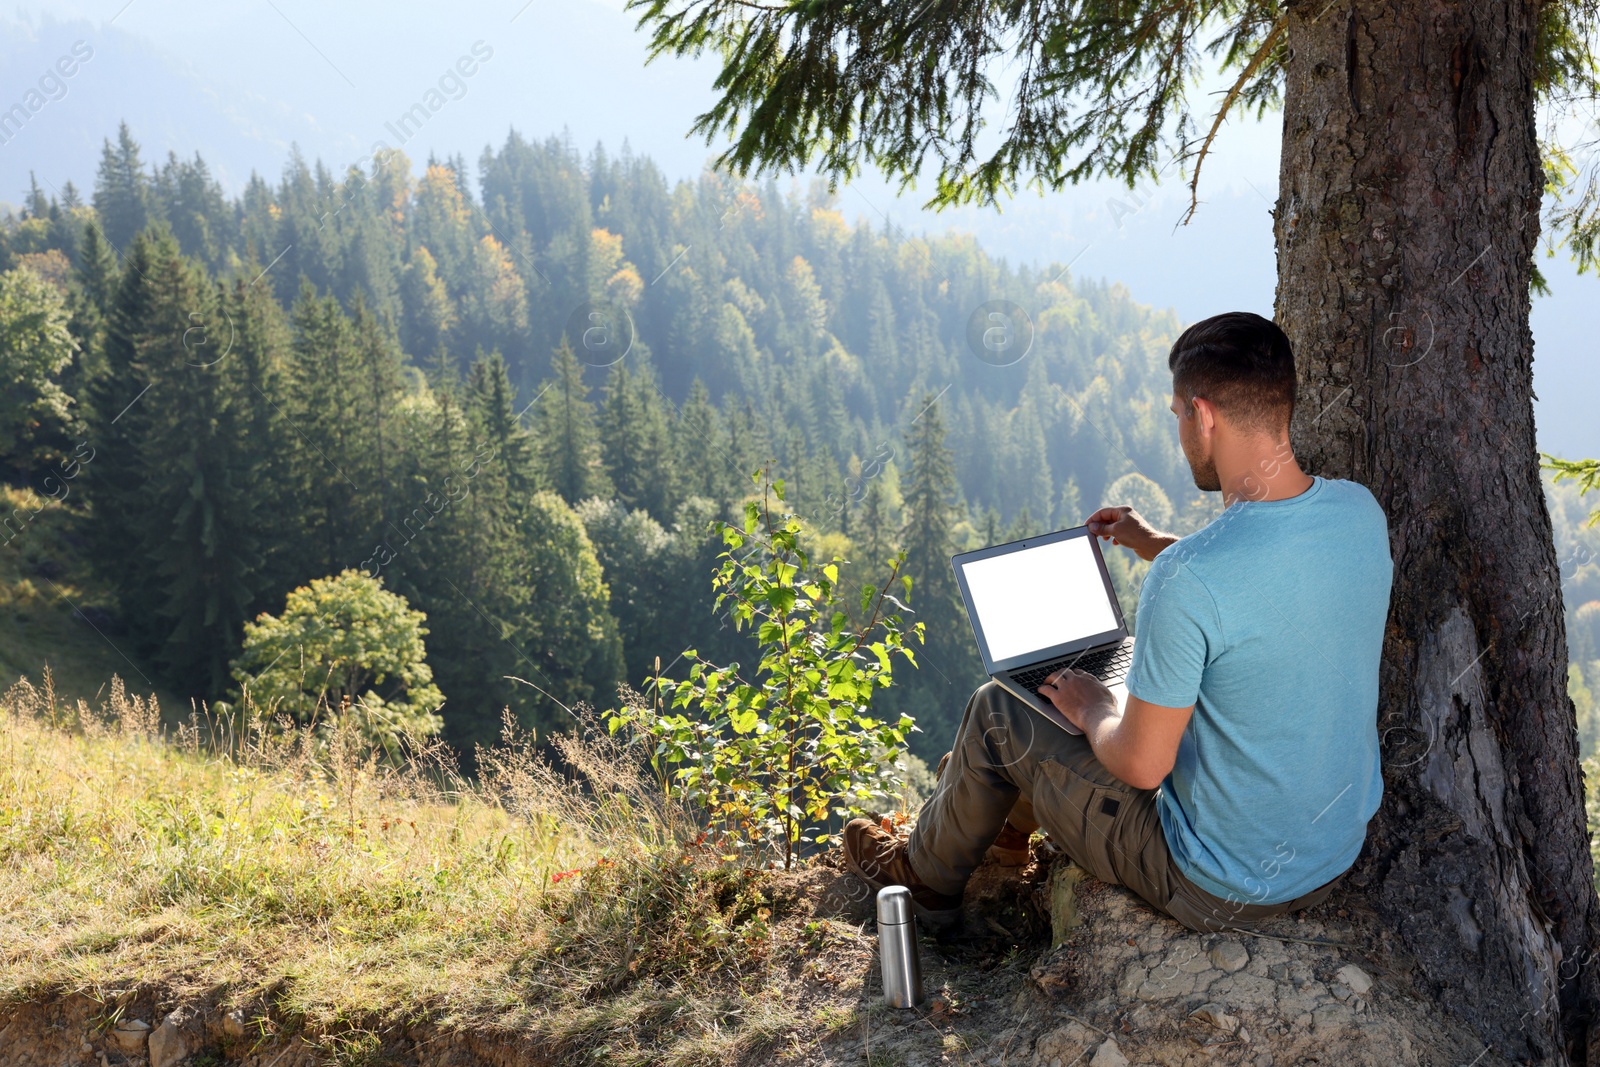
(1010, 761)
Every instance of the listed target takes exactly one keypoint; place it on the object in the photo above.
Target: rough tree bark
(1406, 222)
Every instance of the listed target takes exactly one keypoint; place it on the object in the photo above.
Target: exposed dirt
(1128, 986)
(1131, 986)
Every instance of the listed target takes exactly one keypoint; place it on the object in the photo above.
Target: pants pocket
(1084, 816)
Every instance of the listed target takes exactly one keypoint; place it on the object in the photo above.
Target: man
(1237, 783)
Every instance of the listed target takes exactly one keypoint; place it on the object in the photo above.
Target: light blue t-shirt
(1270, 622)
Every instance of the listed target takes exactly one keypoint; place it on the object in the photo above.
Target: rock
(1332, 1016)
(1229, 956)
(1066, 1044)
(1108, 1055)
(168, 1043)
(1133, 976)
(1213, 1014)
(131, 1035)
(1056, 973)
(1358, 980)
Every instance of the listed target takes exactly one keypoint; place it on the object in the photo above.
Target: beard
(1204, 470)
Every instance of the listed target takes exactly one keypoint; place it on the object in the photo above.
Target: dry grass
(325, 889)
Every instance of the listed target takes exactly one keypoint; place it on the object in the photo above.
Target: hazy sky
(242, 81)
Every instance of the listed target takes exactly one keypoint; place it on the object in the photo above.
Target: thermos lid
(894, 904)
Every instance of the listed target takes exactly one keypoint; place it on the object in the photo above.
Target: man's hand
(1138, 743)
(1126, 527)
(1080, 696)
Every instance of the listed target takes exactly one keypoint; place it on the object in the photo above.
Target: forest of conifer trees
(391, 372)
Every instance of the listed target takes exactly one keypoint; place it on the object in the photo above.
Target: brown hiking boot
(879, 859)
(1010, 849)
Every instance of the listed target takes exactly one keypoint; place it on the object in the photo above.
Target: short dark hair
(1240, 362)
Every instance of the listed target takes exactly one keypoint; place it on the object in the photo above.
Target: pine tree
(258, 373)
(122, 190)
(95, 272)
(569, 443)
(635, 441)
(326, 386)
(36, 205)
(947, 665)
(203, 530)
(697, 439)
(97, 268)
(492, 401)
(875, 530)
(442, 222)
(191, 202)
(929, 510)
(993, 530)
(429, 313)
(748, 448)
(380, 375)
(453, 547)
(117, 480)
(171, 520)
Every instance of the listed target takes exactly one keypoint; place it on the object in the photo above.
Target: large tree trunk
(1406, 223)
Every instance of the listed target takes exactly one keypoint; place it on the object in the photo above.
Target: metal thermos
(897, 948)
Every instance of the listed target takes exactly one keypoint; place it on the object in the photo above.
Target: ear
(1205, 413)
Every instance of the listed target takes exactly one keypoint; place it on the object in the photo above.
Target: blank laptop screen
(1036, 598)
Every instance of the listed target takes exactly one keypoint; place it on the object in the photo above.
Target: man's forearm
(1115, 748)
(1157, 544)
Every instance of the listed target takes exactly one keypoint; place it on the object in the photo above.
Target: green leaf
(771, 754)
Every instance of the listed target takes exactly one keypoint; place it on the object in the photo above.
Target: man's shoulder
(1241, 533)
(1354, 495)
(1356, 515)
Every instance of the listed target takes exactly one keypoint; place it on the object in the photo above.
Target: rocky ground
(1130, 986)
(1020, 984)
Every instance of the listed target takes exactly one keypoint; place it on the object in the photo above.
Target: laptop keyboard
(1109, 664)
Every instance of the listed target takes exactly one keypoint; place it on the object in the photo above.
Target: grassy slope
(43, 577)
(324, 894)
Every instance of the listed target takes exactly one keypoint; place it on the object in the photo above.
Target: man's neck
(1265, 470)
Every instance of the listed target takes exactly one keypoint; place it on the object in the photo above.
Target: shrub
(347, 648)
(771, 755)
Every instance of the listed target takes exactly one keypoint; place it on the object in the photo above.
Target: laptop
(1043, 604)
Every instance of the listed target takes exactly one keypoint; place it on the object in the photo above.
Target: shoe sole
(1009, 857)
(938, 921)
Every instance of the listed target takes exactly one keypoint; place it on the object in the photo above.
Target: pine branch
(1235, 91)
